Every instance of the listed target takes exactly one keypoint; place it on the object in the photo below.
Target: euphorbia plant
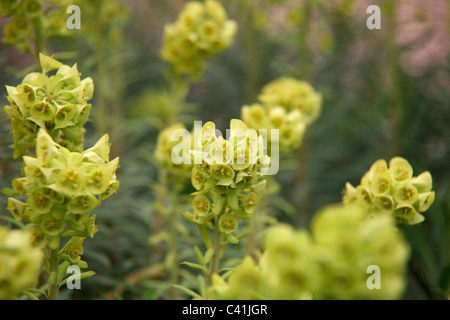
(229, 177)
(62, 188)
(62, 183)
(201, 31)
(289, 106)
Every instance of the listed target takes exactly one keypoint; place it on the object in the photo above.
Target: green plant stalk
(174, 243)
(395, 91)
(53, 271)
(217, 244)
(102, 75)
(39, 40)
(252, 71)
(257, 225)
(174, 271)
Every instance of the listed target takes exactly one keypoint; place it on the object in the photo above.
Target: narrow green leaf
(30, 295)
(62, 269)
(195, 266)
(82, 276)
(205, 236)
(199, 256)
(201, 285)
(208, 255)
(187, 291)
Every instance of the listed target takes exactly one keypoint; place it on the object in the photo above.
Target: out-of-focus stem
(217, 246)
(252, 61)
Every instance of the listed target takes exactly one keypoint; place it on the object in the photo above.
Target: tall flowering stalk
(62, 183)
(201, 31)
(289, 106)
(228, 177)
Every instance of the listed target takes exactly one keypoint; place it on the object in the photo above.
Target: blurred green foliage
(378, 102)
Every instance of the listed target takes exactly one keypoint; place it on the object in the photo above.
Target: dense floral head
(287, 105)
(227, 174)
(58, 103)
(20, 262)
(292, 94)
(297, 264)
(393, 190)
(63, 187)
(290, 125)
(201, 30)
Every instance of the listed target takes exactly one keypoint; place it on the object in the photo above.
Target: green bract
(20, 262)
(58, 103)
(331, 262)
(393, 190)
(229, 176)
(201, 30)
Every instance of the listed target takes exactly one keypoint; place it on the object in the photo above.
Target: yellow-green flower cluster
(229, 177)
(331, 262)
(292, 94)
(57, 103)
(164, 147)
(62, 188)
(290, 125)
(19, 263)
(201, 31)
(393, 190)
(28, 15)
(288, 105)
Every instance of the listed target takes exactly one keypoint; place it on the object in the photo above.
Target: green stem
(174, 243)
(39, 41)
(102, 78)
(53, 271)
(217, 244)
